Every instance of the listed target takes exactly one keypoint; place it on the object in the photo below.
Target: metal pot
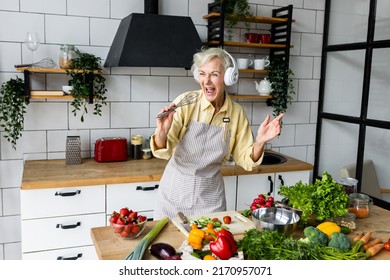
(273, 218)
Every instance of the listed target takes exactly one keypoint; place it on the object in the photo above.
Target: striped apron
(192, 181)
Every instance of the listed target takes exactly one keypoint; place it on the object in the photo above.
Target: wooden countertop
(111, 247)
(40, 174)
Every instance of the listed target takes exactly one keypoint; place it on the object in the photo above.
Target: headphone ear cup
(231, 76)
(196, 75)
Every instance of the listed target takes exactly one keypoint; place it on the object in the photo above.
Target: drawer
(59, 232)
(135, 196)
(78, 253)
(56, 202)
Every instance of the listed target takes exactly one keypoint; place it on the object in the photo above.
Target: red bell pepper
(224, 247)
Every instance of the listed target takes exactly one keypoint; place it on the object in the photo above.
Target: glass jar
(359, 207)
(348, 220)
(67, 56)
(136, 146)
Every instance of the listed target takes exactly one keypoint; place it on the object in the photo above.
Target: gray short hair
(205, 55)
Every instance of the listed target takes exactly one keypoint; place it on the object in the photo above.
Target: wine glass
(32, 43)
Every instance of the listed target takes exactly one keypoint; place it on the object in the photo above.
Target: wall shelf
(52, 94)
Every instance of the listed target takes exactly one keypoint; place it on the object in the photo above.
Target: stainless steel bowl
(273, 218)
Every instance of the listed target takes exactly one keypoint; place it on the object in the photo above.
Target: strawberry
(124, 212)
(133, 215)
(141, 218)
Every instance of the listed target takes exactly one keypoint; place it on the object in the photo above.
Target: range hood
(153, 40)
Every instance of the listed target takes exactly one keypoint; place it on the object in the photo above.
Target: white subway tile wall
(135, 94)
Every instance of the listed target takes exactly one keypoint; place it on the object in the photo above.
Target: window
(354, 116)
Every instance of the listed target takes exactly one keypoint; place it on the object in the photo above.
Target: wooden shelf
(249, 96)
(257, 19)
(54, 70)
(253, 71)
(250, 45)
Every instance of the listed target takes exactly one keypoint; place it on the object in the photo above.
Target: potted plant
(235, 11)
(87, 81)
(13, 102)
(282, 85)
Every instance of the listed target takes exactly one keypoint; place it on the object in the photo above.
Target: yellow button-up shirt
(241, 137)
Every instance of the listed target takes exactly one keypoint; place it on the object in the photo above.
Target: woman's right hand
(163, 125)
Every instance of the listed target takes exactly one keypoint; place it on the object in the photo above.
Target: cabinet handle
(70, 258)
(271, 185)
(67, 193)
(68, 226)
(151, 188)
(281, 180)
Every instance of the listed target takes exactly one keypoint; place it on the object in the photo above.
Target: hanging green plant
(83, 82)
(281, 84)
(13, 103)
(235, 11)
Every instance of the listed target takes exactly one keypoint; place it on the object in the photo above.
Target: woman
(197, 138)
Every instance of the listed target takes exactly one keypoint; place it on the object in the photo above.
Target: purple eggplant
(164, 251)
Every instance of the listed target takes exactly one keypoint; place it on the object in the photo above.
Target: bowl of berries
(127, 223)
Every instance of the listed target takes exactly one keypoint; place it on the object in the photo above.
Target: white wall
(135, 95)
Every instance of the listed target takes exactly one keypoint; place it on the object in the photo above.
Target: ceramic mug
(251, 37)
(265, 38)
(261, 63)
(244, 63)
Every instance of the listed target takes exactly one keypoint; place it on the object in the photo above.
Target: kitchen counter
(111, 247)
(40, 174)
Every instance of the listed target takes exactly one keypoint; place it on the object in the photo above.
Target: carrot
(372, 251)
(371, 243)
(357, 237)
(360, 242)
(366, 237)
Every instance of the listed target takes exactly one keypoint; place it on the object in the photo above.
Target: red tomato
(227, 220)
(124, 212)
(215, 220)
(387, 245)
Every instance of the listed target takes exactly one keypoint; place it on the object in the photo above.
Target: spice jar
(147, 153)
(359, 207)
(136, 146)
(67, 56)
(348, 220)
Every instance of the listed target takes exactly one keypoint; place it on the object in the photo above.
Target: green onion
(140, 249)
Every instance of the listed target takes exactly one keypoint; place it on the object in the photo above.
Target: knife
(185, 223)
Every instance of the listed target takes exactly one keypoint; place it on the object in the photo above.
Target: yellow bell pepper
(328, 228)
(195, 238)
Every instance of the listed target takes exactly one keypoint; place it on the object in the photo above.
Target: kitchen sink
(271, 158)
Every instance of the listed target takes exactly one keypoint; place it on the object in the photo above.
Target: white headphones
(231, 73)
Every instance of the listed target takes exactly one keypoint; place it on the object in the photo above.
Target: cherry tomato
(387, 245)
(227, 220)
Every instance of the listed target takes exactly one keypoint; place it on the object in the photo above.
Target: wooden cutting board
(239, 223)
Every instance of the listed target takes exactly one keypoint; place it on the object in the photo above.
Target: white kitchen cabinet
(250, 186)
(60, 218)
(230, 191)
(136, 196)
(76, 253)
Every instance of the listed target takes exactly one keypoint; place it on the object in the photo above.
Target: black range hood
(153, 40)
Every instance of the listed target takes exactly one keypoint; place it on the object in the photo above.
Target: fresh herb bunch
(273, 245)
(13, 103)
(82, 82)
(325, 199)
(279, 74)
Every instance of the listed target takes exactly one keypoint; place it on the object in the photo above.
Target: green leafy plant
(235, 11)
(85, 81)
(13, 104)
(282, 85)
(325, 199)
